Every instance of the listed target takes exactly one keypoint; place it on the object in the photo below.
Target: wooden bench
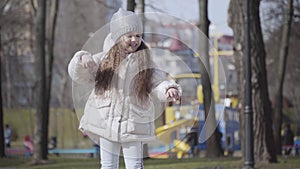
(16, 152)
(93, 151)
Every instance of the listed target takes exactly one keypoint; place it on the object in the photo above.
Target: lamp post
(248, 151)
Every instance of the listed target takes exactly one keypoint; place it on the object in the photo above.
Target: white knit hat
(123, 22)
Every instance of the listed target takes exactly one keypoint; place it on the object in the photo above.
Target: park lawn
(190, 163)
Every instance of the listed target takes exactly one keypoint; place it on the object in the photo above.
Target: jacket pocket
(100, 101)
(141, 111)
(96, 112)
(138, 128)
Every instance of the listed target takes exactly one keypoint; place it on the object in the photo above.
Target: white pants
(110, 151)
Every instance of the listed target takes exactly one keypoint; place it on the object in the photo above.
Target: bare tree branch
(33, 6)
(154, 8)
(105, 5)
(3, 5)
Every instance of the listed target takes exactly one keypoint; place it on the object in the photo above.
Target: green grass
(64, 123)
(191, 163)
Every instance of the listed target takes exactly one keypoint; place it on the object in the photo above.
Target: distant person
(219, 136)
(28, 145)
(7, 135)
(192, 140)
(288, 139)
(53, 143)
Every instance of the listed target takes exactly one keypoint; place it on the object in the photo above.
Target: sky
(188, 10)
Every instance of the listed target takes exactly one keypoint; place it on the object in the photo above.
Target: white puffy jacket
(114, 115)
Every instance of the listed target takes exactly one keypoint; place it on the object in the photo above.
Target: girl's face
(131, 41)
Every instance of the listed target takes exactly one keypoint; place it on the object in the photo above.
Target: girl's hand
(173, 93)
(88, 62)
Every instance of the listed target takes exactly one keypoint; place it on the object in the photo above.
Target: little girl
(120, 109)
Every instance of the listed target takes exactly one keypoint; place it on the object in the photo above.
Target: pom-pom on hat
(123, 22)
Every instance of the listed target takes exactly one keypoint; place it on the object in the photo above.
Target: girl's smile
(130, 42)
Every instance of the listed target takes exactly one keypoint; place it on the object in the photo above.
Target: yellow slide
(180, 148)
(164, 134)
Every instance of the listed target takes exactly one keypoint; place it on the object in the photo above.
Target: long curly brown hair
(108, 68)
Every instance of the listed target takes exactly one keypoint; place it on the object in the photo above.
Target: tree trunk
(212, 145)
(51, 25)
(41, 113)
(2, 150)
(140, 9)
(262, 121)
(8, 89)
(130, 5)
(236, 22)
(281, 73)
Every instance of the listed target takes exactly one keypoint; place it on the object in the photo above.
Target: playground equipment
(173, 134)
(182, 117)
